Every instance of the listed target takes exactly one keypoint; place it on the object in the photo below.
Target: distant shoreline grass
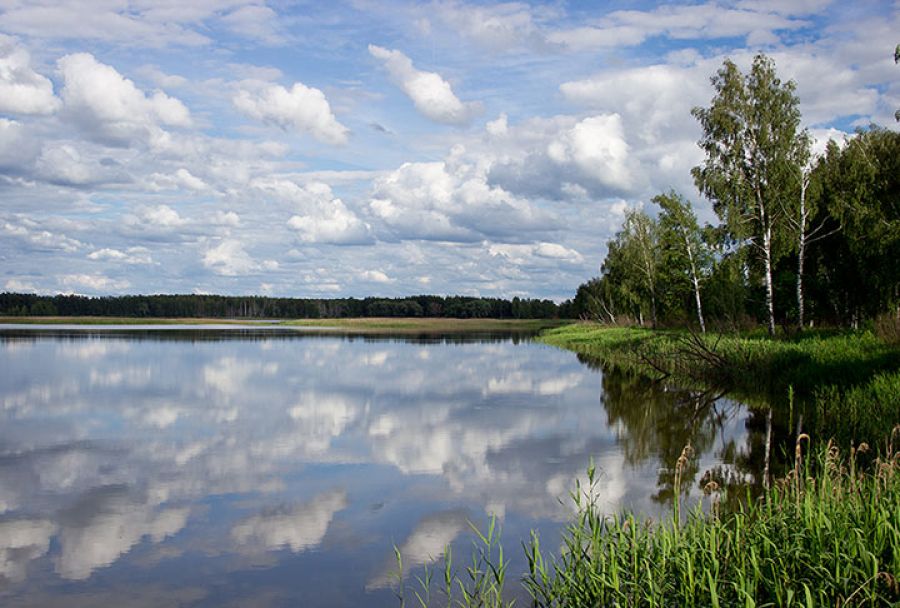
(362, 325)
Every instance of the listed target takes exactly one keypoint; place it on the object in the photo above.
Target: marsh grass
(827, 534)
(832, 539)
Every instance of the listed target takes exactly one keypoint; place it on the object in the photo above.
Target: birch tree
(683, 249)
(750, 134)
(640, 232)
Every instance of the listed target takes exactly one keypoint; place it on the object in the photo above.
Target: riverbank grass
(828, 540)
(848, 384)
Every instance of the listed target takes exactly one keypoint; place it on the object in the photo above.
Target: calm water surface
(276, 468)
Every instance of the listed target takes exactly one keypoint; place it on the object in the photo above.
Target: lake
(270, 467)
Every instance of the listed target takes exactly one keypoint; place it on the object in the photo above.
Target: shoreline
(356, 325)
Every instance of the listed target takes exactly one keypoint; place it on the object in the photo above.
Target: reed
(827, 534)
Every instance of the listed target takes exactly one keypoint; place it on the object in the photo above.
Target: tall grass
(829, 539)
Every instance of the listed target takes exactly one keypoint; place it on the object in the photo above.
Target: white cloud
(141, 24)
(565, 158)
(597, 146)
(180, 179)
(320, 216)
(536, 254)
(93, 282)
(301, 108)
(429, 92)
(132, 255)
(162, 216)
(35, 237)
(375, 276)
(18, 148)
(64, 164)
(22, 90)
(110, 108)
(500, 27)
(229, 259)
(256, 22)
(451, 201)
(160, 78)
(19, 286)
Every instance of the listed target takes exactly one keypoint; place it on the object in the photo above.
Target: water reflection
(270, 463)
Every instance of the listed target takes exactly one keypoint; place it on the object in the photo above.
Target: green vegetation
(847, 384)
(801, 241)
(828, 540)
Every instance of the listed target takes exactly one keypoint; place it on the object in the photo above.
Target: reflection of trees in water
(655, 420)
(261, 334)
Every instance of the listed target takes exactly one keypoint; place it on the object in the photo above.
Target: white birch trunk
(770, 296)
(801, 250)
(687, 244)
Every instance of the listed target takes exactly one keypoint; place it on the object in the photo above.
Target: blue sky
(379, 148)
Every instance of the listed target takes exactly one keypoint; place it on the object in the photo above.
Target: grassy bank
(832, 540)
(848, 384)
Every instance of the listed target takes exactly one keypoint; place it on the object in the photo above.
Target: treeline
(259, 307)
(801, 240)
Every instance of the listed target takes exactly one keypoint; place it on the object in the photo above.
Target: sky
(380, 148)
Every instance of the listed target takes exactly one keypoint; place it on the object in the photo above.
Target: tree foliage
(797, 240)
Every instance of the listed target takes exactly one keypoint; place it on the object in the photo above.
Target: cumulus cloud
(18, 148)
(321, 217)
(22, 90)
(229, 259)
(110, 108)
(535, 254)
(132, 255)
(96, 283)
(73, 164)
(162, 216)
(33, 236)
(565, 158)
(375, 276)
(451, 201)
(429, 92)
(301, 108)
(181, 179)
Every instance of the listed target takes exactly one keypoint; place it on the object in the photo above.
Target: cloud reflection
(298, 528)
(120, 442)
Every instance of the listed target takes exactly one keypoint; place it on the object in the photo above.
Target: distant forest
(259, 307)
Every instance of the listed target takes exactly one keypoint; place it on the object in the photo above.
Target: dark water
(269, 468)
